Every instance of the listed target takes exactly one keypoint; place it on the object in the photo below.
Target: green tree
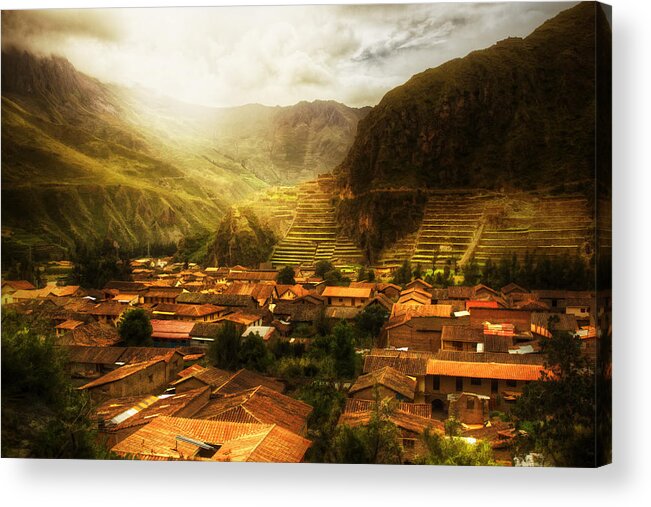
(471, 272)
(558, 411)
(94, 267)
(370, 320)
(253, 354)
(418, 272)
(376, 442)
(43, 416)
(224, 352)
(322, 267)
(339, 348)
(453, 450)
(135, 328)
(402, 275)
(327, 402)
(286, 276)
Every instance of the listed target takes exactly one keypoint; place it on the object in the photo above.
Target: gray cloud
(228, 56)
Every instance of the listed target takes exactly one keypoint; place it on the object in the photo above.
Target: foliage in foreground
(558, 411)
(43, 416)
(135, 328)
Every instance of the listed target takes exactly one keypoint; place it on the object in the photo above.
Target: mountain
(84, 160)
(519, 115)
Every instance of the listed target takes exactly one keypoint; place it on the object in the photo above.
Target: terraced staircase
(313, 234)
(547, 226)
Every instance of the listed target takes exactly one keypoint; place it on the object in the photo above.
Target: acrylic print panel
(345, 234)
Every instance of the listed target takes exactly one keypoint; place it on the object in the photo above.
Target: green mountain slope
(520, 114)
(82, 160)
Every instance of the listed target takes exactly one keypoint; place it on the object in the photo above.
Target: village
(445, 360)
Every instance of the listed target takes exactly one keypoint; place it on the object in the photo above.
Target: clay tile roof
(426, 310)
(70, 324)
(246, 379)
(211, 376)
(191, 370)
(387, 377)
(409, 363)
(419, 281)
(92, 334)
(171, 329)
(18, 284)
(93, 355)
(561, 322)
(158, 438)
(513, 287)
(162, 406)
(108, 309)
(121, 373)
(499, 371)
(481, 304)
(297, 312)
(419, 409)
(462, 334)
(382, 300)
(416, 295)
(275, 445)
(188, 310)
(259, 404)
(347, 292)
(460, 292)
(403, 420)
(206, 329)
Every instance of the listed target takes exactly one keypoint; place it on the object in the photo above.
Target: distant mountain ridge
(520, 115)
(83, 160)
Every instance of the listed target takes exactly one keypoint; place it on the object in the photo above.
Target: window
(459, 383)
(436, 381)
(151, 377)
(408, 443)
(470, 404)
(511, 383)
(475, 381)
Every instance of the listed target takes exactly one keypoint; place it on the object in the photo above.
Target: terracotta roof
(488, 357)
(18, 284)
(403, 420)
(158, 438)
(92, 334)
(417, 295)
(70, 324)
(531, 304)
(462, 334)
(246, 319)
(426, 310)
(188, 310)
(246, 379)
(257, 290)
(163, 292)
(121, 373)
(563, 322)
(276, 445)
(481, 304)
(460, 292)
(513, 287)
(191, 370)
(297, 312)
(387, 377)
(347, 292)
(419, 409)
(206, 329)
(217, 299)
(93, 355)
(419, 281)
(162, 406)
(137, 354)
(171, 329)
(363, 285)
(259, 404)
(342, 312)
(116, 406)
(382, 300)
(108, 309)
(211, 376)
(484, 370)
(409, 363)
(265, 332)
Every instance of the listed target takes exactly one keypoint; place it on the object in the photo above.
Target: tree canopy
(558, 411)
(230, 351)
(43, 416)
(286, 276)
(135, 328)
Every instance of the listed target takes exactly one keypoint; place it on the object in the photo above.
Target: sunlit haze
(228, 56)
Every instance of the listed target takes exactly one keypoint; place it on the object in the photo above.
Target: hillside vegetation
(83, 161)
(518, 115)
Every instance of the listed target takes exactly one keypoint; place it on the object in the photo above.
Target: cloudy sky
(228, 56)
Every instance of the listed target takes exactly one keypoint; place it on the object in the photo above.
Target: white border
(627, 482)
